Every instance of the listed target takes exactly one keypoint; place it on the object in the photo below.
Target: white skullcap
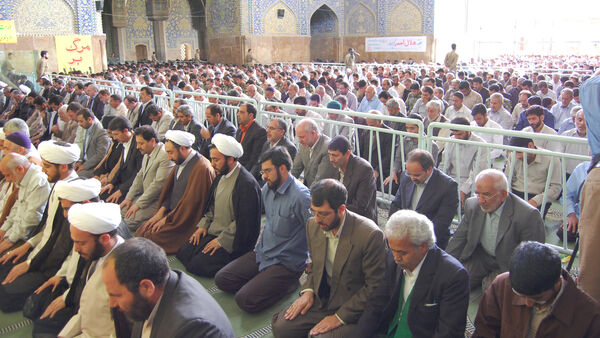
(59, 152)
(96, 218)
(25, 89)
(227, 145)
(181, 137)
(78, 190)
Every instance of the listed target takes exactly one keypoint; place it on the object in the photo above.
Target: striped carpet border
(15, 326)
(260, 332)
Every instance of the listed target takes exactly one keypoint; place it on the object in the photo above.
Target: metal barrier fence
(484, 149)
(382, 144)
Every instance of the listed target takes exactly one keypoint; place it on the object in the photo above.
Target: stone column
(158, 13)
(160, 40)
(121, 43)
(119, 21)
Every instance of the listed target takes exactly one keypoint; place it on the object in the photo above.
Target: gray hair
(434, 104)
(392, 103)
(14, 160)
(295, 86)
(16, 124)
(500, 181)
(568, 91)
(185, 110)
(575, 110)
(497, 96)
(409, 223)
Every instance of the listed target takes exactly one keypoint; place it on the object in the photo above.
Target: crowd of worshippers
(94, 199)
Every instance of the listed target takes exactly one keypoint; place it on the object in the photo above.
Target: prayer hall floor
(258, 325)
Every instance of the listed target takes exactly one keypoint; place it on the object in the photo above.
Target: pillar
(160, 40)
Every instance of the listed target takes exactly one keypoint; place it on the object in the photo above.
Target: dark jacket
(187, 310)
(225, 127)
(252, 144)
(128, 169)
(362, 189)
(439, 202)
(247, 205)
(97, 107)
(368, 149)
(284, 142)
(144, 118)
(439, 301)
(195, 129)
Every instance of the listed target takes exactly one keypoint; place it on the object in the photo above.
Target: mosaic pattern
(385, 7)
(360, 21)
(222, 17)
(139, 28)
(179, 27)
(405, 18)
(51, 17)
(86, 17)
(280, 26)
(259, 10)
(323, 22)
(75, 17)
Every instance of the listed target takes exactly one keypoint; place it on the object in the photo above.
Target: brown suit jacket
(358, 268)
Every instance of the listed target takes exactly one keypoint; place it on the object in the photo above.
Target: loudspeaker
(280, 13)
(99, 5)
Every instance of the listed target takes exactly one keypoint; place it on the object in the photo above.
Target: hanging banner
(396, 44)
(8, 33)
(74, 52)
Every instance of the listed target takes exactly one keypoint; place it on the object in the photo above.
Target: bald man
(29, 206)
(370, 101)
(495, 221)
(312, 158)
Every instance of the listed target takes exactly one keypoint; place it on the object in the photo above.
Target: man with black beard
(260, 278)
(348, 258)
(161, 302)
(231, 221)
(85, 306)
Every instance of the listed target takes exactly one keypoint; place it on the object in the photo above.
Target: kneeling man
(262, 277)
(231, 221)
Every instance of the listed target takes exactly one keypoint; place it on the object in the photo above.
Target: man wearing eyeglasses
(494, 223)
(429, 191)
(536, 298)
(348, 265)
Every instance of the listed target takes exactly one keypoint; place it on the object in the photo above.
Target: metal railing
(511, 152)
(368, 138)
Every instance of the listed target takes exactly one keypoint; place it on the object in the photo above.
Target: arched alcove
(324, 31)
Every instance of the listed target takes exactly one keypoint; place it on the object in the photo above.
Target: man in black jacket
(428, 191)
(425, 292)
(231, 221)
(251, 136)
(217, 124)
(129, 164)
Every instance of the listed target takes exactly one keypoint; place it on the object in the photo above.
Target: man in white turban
(84, 307)
(183, 197)
(49, 243)
(231, 221)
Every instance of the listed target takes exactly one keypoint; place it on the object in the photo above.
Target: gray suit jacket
(519, 222)
(358, 267)
(317, 167)
(97, 146)
(149, 181)
(186, 310)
